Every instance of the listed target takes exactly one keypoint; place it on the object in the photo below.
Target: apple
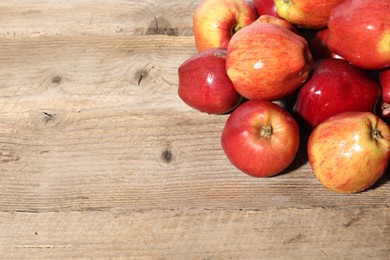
(260, 138)
(267, 61)
(384, 80)
(318, 46)
(313, 14)
(275, 20)
(216, 21)
(266, 7)
(335, 86)
(359, 31)
(204, 83)
(350, 151)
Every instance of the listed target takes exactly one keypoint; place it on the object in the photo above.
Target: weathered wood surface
(99, 158)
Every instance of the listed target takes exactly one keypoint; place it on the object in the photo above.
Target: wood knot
(49, 117)
(56, 80)
(141, 74)
(167, 156)
(46, 118)
(162, 26)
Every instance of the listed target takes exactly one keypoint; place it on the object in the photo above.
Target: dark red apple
(335, 86)
(205, 85)
(267, 7)
(318, 46)
(260, 138)
(359, 31)
(384, 80)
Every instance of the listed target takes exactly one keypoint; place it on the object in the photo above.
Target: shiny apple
(350, 151)
(318, 46)
(216, 21)
(260, 138)
(359, 31)
(204, 83)
(335, 86)
(267, 61)
(266, 7)
(312, 14)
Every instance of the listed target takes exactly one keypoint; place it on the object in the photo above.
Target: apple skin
(267, 61)
(335, 86)
(216, 21)
(318, 46)
(359, 31)
(308, 14)
(260, 138)
(384, 80)
(266, 7)
(350, 151)
(204, 83)
(275, 20)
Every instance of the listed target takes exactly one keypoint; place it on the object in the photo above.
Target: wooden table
(99, 158)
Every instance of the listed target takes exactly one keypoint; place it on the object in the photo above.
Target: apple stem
(376, 134)
(266, 131)
(235, 28)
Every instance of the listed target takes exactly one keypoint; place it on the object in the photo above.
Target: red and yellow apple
(335, 86)
(260, 138)
(267, 61)
(350, 151)
(313, 14)
(216, 21)
(204, 83)
(359, 31)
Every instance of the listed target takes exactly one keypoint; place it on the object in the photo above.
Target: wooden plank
(106, 159)
(92, 72)
(30, 18)
(198, 234)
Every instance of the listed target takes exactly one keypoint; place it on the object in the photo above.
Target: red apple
(319, 48)
(313, 14)
(275, 20)
(267, 7)
(205, 85)
(267, 61)
(350, 151)
(384, 80)
(216, 21)
(260, 138)
(335, 86)
(359, 31)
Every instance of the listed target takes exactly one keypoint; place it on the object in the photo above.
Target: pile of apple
(278, 67)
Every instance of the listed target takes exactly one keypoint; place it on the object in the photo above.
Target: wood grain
(99, 158)
(195, 234)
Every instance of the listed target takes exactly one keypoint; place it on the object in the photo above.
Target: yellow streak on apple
(384, 45)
